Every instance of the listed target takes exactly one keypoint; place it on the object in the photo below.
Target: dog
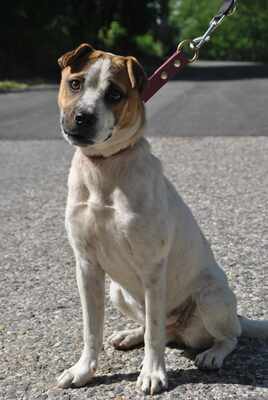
(125, 219)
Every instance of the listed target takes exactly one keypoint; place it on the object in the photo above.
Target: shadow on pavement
(220, 72)
(201, 71)
(240, 368)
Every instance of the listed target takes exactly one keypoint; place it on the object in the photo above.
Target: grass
(12, 85)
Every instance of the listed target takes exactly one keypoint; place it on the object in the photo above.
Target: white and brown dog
(125, 218)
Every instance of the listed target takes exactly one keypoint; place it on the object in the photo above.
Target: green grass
(12, 85)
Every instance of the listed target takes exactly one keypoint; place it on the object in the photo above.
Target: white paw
(127, 339)
(209, 359)
(152, 380)
(78, 375)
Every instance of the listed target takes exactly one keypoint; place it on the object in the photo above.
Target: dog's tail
(253, 328)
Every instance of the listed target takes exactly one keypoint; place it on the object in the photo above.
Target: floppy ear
(136, 73)
(75, 55)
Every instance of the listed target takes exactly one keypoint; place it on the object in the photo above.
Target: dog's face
(100, 100)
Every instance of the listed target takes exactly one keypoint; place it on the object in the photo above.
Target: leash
(179, 59)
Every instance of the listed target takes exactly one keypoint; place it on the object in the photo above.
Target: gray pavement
(209, 99)
(224, 180)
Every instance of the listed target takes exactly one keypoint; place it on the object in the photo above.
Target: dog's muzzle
(82, 129)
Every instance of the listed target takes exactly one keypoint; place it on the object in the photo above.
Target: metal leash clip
(179, 58)
(227, 9)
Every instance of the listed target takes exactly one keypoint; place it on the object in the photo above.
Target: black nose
(85, 119)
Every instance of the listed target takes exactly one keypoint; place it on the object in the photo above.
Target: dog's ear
(136, 73)
(75, 55)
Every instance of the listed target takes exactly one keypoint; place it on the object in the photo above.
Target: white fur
(96, 82)
(125, 218)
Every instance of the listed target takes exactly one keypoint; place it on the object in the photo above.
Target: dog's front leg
(90, 280)
(153, 375)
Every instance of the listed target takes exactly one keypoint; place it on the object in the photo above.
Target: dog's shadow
(247, 365)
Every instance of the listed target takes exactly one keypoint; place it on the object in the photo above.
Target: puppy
(125, 218)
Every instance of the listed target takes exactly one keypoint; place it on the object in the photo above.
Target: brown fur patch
(127, 111)
(181, 315)
(76, 55)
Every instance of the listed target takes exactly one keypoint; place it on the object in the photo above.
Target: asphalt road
(223, 179)
(210, 99)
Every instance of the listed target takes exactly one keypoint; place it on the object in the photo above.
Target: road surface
(226, 99)
(223, 179)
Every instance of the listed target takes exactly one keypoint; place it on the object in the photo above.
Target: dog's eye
(113, 94)
(75, 85)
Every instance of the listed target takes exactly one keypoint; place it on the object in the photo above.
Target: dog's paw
(152, 380)
(127, 339)
(209, 359)
(78, 375)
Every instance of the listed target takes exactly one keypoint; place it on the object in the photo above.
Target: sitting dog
(125, 218)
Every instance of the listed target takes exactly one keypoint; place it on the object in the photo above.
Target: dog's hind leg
(217, 307)
(127, 339)
(130, 338)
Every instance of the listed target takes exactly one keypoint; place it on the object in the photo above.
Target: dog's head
(100, 100)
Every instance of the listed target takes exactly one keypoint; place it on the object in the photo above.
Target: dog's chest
(103, 227)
